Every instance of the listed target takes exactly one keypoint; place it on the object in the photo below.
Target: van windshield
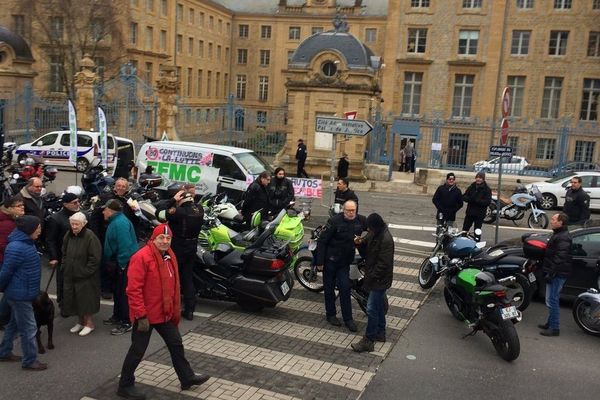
(253, 163)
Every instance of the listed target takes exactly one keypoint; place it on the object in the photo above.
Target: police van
(54, 147)
(209, 167)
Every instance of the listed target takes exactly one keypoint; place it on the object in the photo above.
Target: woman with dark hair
(281, 192)
(256, 196)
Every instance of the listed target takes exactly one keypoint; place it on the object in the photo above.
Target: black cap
(69, 197)
(27, 223)
(114, 205)
(481, 175)
(375, 222)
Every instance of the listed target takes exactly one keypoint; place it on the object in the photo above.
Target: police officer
(185, 219)
(577, 204)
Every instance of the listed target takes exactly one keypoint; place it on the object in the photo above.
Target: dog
(43, 308)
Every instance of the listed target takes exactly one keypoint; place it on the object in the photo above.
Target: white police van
(209, 167)
(54, 147)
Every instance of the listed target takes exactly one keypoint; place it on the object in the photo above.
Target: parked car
(514, 164)
(586, 259)
(554, 189)
(574, 166)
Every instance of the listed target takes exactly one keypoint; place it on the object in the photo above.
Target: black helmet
(173, 188)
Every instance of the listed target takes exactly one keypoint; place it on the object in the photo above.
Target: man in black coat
(577, 204)
(57, 226)
(256, 196)
(301, 155)
(185, 219)
(557, 267)
(343, 192)
(335, 251)
(478, 197)
(448, 200)
(343, 166)
(281, 192)
(379, 274)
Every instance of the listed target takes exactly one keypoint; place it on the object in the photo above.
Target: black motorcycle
(255, 278)
(95, 180)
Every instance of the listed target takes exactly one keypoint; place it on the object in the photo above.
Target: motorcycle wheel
(522, 284)
(427, 276)
(489, 214)
(307, 276)
(582, 315)
(452, 306)
(505, 339)
(541, 224)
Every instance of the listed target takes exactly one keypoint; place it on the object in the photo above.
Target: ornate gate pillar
(167, 86)
(84, 89)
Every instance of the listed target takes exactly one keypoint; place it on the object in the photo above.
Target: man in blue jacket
(120, 243)
(20, 282)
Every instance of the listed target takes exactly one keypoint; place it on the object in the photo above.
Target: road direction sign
(506, 102)
(501, 151)
(504, 132)
(351, 127)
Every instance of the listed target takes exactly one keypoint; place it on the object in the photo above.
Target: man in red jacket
(154, 303)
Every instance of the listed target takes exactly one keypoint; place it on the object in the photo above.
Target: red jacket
(7, 225)
(153, 286)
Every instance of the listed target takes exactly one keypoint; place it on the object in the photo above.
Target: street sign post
(506, 98)
(504, 132)
(349, 127)
(501, 151)
(506, 104)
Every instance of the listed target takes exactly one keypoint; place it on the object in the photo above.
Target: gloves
(143, 325)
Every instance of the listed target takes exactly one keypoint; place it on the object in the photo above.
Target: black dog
(43, 308)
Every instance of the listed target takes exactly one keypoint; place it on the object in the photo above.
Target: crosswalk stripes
(288, 352)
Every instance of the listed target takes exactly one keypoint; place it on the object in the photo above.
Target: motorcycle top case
(462, 247)
(535, 247)
(268, 259)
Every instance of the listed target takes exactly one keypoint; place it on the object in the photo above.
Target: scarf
(171, 305)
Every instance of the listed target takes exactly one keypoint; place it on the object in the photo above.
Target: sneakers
(76, 328)
(86, 331)
(36, 366)
(112, 321)
(130, 392)
(380, 337)
(363, 345)
(121, 329)
(333, 320)
(198, 379)
(351, 325)
(10, 358)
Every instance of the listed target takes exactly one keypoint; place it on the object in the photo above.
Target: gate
(458, 144)
(130, 105)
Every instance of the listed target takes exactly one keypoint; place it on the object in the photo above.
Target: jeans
(375, 314)
(472, 220)
(22, 321)
(553, 290)
(139, 344)
(337, 274)
(121, 307)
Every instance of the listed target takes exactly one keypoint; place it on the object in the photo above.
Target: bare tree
(66, 30)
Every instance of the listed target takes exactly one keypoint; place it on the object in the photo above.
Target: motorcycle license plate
(531, 277)
(509, 312)
(285, 288)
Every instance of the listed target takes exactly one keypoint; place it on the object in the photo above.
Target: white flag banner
(103, 137)
(72, 134)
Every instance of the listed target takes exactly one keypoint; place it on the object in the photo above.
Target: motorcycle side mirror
(478, 232)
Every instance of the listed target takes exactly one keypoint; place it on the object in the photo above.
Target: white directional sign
(352, 127)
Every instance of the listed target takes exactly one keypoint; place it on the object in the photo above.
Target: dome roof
(356, 54)
(19, 45)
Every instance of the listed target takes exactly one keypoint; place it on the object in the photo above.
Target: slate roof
(19, 45)
(371, 7)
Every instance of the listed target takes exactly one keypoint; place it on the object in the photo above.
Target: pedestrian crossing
(286, 352)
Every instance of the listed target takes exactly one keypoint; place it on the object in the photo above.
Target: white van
(210, 167)
(53, 147)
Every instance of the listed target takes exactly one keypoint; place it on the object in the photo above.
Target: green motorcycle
(483, 304)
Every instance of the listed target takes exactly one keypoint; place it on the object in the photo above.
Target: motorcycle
(459, 245)
(586, 311)
(255, 278)
(483, 304)
(516, 209)
(95, 180)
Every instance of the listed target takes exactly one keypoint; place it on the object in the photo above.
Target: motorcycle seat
(241, 241)
(486, 259)
(487, 281)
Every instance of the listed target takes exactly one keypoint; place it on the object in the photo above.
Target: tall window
(211, 22)
(55, 80)
(149, 37)
(133, 32)
(562, 4)
(545, 149)
(316, 29)
(150, 5)
(419, 3)
(294, 33)
(191, 46)
(520, 43)
(596, 5)
(178, 43)
(467, 42)
(164, 8)
(242, 56)
(558, 43)
(261, 118)
(19, 24)
(201, 19)
(243, 31)
(192, 16)
(97, 28)
(218, 52)
(584, 151)
(417, 40)
(162, 40)
(263, 88)
(265, 57)
(594, 45)
(210, 50)
(517, 89)
(411, 95)
(265, 31)
(57, 28)
(190, 76)
(524, 3)
(148, 73)
(208, 82)
(472, 3)
(179, 12)
(200, 48)
(370, 35)
(551, 99)
(199, 83)
(218, 84)
(513, 142)
(463, 95)
(590, 100)
(240, 93)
